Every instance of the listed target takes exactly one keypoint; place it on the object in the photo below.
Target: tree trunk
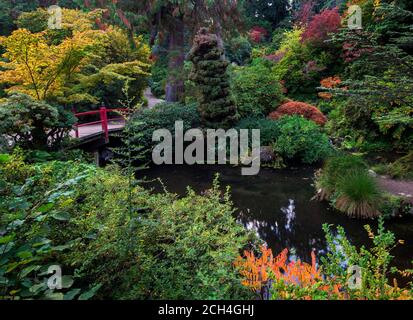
(39, 138)
(175, 83)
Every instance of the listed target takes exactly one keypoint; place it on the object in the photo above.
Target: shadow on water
(277, 206)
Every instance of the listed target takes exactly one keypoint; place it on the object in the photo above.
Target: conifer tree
(209, 73)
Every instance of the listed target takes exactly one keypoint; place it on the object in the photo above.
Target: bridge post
(76, 124)
(105, 126)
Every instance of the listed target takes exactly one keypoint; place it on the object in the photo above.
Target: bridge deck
(96, 129)
(93, 130)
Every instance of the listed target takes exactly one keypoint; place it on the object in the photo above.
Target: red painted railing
(104, 120)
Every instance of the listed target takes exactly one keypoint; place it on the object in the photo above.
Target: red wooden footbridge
(97, 124)
(109, 120)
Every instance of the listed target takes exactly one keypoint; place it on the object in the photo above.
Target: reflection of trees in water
(282, 232)
(289, 213)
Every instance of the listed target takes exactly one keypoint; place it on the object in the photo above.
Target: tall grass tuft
(358, 195)
(334, 168)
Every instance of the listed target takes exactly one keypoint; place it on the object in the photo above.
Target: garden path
(397, 187)
(152, 100)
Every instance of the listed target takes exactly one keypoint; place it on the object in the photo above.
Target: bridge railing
(104, 119)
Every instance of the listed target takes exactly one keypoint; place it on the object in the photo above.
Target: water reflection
(277, 207)
(289, 215)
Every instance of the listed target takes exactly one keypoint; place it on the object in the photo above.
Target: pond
(277, 206)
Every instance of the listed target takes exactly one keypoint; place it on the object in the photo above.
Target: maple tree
(306, 110)
(322, 25)
(329, 83)
(38, 69)
(35, 66)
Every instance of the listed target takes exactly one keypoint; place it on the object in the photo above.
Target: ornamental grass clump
(346, 182)
(334, 168)
(358, 195)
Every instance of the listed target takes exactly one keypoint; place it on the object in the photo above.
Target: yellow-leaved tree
(78, 65)
(40, 63)
(38, 69)
(116, 60)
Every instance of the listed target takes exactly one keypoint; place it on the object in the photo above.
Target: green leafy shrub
(162, 116)
(256, 90)
(165, 248)
(34, 124)
(269, 129)
(238, 50)
(31, 228)
(301, 139)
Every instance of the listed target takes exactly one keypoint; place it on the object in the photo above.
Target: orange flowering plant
(285, 279)
(278, 278)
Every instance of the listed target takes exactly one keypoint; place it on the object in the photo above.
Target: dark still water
(277, 206)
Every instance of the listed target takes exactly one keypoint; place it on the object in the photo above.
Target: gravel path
(397, 187)
(152, 100)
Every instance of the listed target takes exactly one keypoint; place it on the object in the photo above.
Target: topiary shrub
(238, 50)
(209, 74)
(301, 139)
(299, 108)
(256, 90)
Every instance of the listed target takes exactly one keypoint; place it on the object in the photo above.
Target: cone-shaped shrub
(209, 74)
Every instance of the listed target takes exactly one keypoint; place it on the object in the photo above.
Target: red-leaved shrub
(326, 22)
(257, 34)
(299, 108)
